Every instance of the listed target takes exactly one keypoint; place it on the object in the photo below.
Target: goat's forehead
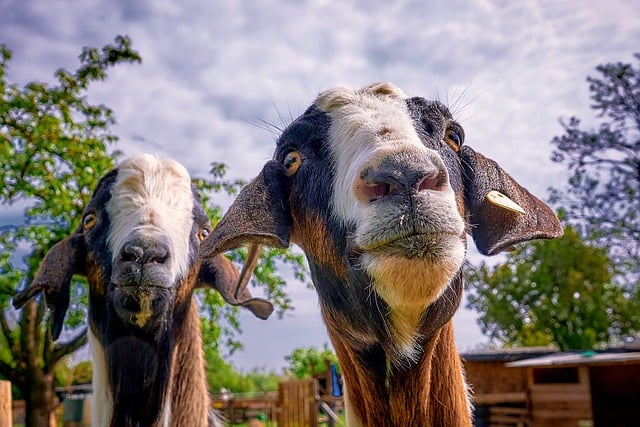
(379, 115)
(152, 196)
(147, 174)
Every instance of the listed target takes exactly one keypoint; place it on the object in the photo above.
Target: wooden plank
(500, 410)
(493, 398)
(538, 397)
(576, 414)
(6, 417)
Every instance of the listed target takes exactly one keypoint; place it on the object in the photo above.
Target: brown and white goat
(137, 245)
(379, 192)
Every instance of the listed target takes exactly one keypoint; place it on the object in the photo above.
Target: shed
(499, 393)
(583, 389)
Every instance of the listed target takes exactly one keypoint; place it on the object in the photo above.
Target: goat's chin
(414, 270)
(409, 286)
(144, 307)
(411, 283)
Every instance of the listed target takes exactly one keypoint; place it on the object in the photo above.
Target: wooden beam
(6, 418)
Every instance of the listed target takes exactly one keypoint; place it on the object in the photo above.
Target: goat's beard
(139, 371)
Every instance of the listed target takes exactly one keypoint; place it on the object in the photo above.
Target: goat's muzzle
(142, 289)
(409, 207)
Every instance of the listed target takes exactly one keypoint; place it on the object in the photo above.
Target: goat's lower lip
(412, 245)
(136, 286)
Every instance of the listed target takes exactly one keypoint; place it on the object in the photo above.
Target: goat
(379, 192)
(137, 246)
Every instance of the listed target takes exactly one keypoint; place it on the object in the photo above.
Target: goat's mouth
(141, 306)
(412, 245)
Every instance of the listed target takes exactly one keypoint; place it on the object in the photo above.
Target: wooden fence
(6, 418)
(297, 403)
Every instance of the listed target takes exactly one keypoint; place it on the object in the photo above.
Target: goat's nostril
(370, 192)
(156, 255)
(432, 183)
(132, 253)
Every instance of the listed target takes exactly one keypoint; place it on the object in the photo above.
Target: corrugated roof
(507, 354)
(579, 358)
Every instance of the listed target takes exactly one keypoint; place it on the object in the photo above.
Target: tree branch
(6, 330)
(58, 351)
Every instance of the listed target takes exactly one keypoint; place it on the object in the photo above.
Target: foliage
(310, 361)
(603, 193)
(552, 292)
(222, 375)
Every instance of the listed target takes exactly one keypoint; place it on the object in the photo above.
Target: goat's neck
(431, 393)
(190, 404)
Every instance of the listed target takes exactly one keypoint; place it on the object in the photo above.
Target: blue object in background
(336, 387)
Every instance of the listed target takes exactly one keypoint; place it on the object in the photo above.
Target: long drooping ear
(64, 259)
(219, 273)
(502, 213)
(259, 215)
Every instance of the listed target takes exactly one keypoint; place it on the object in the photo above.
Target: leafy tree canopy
(310, 361)
(602, 196)
(557, 292)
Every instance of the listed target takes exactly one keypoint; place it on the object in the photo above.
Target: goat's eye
(454, 138)
(202, 234)
(89, 221)
(292, 162)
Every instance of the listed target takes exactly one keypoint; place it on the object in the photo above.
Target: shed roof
(579, 359)
(507, 354)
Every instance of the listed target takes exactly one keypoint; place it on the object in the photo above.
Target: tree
(603, 193)
(552, 292)
(307, 362)
(54, 146)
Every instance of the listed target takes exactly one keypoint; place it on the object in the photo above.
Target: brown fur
(190, 402)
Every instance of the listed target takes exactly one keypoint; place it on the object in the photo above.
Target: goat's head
(137, 245)
(379, 191)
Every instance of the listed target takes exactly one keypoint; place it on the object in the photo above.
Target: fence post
(6, 419)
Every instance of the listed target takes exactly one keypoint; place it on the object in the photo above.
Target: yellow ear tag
(497, 198)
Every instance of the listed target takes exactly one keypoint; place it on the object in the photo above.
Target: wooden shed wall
(495, 377)
(558, 404)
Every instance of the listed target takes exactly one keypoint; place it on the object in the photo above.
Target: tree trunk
(41, 402)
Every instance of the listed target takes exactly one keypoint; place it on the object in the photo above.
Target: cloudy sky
(214, 70)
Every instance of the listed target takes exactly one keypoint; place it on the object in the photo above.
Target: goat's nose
(398, 176)
(145, 253)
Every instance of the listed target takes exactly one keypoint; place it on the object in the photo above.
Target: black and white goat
(137, 245)
(379, 191)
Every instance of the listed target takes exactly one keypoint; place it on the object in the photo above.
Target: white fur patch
(102, 408)
(152, 197)
(357, 120)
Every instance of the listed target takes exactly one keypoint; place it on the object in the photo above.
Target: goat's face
(396, 191)
(379, 192)
(151, 221)
(137, 245)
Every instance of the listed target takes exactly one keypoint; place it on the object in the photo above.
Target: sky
(215, 72)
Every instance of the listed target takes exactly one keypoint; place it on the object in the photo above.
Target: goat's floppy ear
(259, 215)
(53, 278)
(219, 273)
(501, 212)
